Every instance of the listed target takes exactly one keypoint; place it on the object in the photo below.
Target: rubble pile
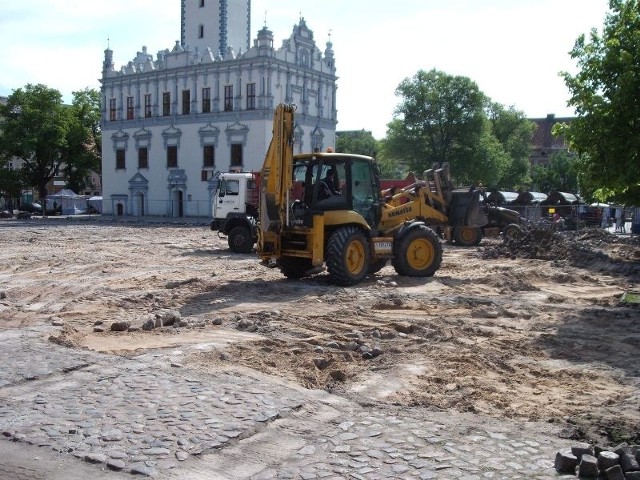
(586, 461)
(584, 248)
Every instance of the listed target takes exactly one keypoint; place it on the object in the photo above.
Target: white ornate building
(170, 122)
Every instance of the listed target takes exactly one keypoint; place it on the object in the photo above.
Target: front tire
(418, 253)
(467, 236)
(347, 256)
(513, 232)
(240, 239)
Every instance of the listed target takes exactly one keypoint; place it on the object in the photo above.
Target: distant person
(620, 220)
(558, 222)
(604, 221)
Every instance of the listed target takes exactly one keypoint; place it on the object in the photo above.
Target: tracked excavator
(310, 218)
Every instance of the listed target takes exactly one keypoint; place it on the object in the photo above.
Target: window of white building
(172, 156)
(186, 102)
(208, 156)
(206, 100)
(251, 96)
(120, 159)
(143, 157)
(236, 155)
(166, 104)
(228, 98)
(147, 105)
(129, 108)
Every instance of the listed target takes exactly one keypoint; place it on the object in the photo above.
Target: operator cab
(324, 182)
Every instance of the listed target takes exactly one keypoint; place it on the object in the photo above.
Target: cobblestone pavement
(147, 416)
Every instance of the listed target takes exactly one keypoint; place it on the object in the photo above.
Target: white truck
(235, 210)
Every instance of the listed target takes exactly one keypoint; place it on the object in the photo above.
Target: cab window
(232, 187)
(229, 187)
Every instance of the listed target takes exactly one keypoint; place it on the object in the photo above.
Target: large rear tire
(294, 267)
(347, 256)
(418, 253)
(467, 236)
(240, 239)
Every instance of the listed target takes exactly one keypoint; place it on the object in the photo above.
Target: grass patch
(631, 297)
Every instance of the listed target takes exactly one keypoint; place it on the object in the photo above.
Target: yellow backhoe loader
(327, 209)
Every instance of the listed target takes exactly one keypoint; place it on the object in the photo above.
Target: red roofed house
(544, 144)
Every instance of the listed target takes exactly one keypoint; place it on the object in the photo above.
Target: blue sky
(513, 49)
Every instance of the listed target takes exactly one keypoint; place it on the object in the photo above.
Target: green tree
(35, 124)
(84, 141)
(51, 138)
(606, 95)
(10, 181)
(357, 141)
(487, 162)
(363, 143)
(445, 118)
(559, 175)
(439, 119)
(390, 166)
(514, 132)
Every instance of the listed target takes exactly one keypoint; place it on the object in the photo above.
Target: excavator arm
(276, 181)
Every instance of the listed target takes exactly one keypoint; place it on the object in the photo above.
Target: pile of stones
(158, 320)
(579, 249)
(586, 461)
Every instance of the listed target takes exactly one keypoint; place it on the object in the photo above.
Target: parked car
(31, 207)
(36, 209)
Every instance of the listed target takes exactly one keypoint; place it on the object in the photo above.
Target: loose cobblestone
(138, 416)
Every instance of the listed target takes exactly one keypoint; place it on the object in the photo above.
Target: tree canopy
(513, 132)
(84, 143)
(357, 141)
(560, 175)
(34, 129)
(606, 95)
(50, 137)
(362, 142)
(446, 118)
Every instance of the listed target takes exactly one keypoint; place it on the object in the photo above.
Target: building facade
(170, 122)
(543, 143)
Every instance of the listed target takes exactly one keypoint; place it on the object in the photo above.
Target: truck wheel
(467, 236)
(513, 231)
(418, 253)
(294, 267)
(347, 256)
(240, 240)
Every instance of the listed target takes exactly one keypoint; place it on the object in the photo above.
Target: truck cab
(234, 209)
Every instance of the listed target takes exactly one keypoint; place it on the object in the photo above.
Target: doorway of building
(139, 205)
(178, 203)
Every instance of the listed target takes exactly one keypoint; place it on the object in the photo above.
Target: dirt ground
(494, 331)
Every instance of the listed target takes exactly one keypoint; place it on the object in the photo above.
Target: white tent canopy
(96, 203)
(71, 202)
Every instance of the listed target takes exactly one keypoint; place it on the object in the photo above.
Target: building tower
(216, 24)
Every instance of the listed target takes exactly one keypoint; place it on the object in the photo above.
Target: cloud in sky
(514, 50)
